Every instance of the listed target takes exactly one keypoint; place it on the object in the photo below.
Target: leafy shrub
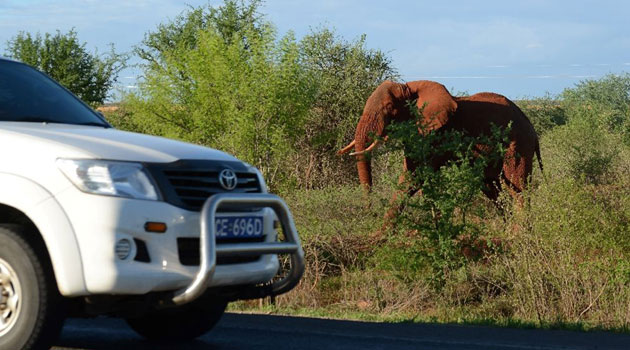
(581, 150)
(606, 100)
(441, 216)
(612, 91)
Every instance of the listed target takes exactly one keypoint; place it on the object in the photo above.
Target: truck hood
(101, 143)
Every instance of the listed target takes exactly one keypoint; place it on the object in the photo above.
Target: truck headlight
(110, 178)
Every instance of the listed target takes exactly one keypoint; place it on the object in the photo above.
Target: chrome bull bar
(209, 251)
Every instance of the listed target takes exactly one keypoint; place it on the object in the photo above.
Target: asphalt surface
(263, 332)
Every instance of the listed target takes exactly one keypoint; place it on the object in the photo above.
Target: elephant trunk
(364, 167)
(365, 132)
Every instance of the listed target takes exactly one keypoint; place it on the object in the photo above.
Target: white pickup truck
(97, 221)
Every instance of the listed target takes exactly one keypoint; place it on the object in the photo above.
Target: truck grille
(189, 183)
(194, 187)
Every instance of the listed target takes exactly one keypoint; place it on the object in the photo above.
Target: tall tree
(88, 75)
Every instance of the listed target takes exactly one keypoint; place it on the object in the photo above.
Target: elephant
(473, 115)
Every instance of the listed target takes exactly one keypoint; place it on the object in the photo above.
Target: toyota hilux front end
(98, 221)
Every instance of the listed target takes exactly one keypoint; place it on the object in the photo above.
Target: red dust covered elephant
(475, 115)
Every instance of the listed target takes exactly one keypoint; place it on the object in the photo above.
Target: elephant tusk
(371, 147)
(347, 148)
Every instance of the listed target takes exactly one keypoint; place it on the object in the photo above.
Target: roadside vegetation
(222, 77)
(560, 260)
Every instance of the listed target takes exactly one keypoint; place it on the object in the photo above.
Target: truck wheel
(181, 323)
(31, 315)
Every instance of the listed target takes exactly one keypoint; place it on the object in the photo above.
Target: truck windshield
(26, 95)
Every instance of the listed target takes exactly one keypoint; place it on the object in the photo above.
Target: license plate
(239, 226)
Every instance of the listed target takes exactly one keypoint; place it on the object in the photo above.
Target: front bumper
(209, 250)
(100, 221)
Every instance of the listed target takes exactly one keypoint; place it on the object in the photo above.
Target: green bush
(581, 150)
(606, 100)
(441, 216)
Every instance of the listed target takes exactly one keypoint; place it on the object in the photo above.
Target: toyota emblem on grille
(227, 179)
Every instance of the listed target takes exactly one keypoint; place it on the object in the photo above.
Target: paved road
(263, 332)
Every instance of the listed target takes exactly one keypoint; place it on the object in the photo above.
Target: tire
(31, 315)
(181, 323)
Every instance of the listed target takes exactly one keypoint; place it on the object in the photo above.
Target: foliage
(545, 113)
(606, 101)
(344, 75)
(450, 173)
(229, 22)
(611, 92)
(570, 260)
(240, 90)
(90, 76)
(222, 78)
(582, 150)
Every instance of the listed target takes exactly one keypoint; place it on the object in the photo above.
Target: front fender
(46, 213)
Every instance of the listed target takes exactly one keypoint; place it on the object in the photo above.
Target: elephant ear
(439, 105)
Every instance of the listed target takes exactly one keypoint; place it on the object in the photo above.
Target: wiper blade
(34, 119)
(93, 124)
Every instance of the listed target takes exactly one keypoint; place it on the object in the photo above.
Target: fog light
(123, 249)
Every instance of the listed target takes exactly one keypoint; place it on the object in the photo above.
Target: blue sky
(519, 49)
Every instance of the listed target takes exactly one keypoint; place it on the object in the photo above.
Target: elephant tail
(540, 163)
